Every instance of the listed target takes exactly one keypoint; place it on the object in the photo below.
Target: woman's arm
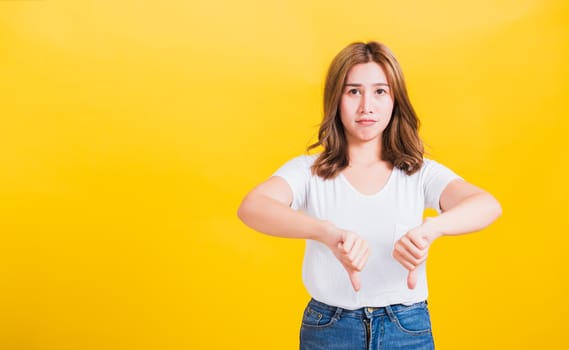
(267, 209)
(465, 208)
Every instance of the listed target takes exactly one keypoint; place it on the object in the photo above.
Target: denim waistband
(368, 311)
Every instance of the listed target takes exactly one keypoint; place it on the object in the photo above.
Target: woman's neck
(365, 153)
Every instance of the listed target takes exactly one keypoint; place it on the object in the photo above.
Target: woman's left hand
(412, 249)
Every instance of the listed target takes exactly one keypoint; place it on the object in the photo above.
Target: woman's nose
(366, 104)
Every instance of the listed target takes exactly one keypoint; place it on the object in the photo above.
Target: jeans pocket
(415, 320)
(318, 318)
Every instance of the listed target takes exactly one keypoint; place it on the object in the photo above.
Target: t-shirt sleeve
(296, 172)
(435, 179)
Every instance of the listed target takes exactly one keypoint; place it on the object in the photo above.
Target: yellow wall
(131, 130)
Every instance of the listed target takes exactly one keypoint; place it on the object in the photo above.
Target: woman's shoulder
(432, 168)
(300, 164)
(430, 163)
(427, 166)
(304, 160)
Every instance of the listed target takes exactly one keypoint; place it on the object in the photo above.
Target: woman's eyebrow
(376, 84)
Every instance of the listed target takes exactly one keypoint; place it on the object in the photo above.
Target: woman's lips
(366, 121)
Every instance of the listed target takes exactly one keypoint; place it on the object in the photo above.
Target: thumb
(412, 279)
(355, 279)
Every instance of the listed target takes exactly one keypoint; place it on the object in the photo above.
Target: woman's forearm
(472, 214)
(274, 218)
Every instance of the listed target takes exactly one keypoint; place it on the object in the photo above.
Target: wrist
(432, 229)
(327, 233)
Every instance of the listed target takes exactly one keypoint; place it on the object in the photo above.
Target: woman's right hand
(351, 250)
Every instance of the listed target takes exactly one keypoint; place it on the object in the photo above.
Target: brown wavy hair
(401, 144)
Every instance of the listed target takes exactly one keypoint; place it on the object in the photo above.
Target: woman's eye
(353, 91)
(380, 91)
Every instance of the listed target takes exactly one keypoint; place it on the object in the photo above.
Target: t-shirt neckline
(378, 193)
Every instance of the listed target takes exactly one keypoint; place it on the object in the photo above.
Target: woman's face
(366, 103)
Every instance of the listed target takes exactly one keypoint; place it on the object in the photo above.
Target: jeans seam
(332, 321)
(393, 318)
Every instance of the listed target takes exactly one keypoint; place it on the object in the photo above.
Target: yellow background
(131, 130)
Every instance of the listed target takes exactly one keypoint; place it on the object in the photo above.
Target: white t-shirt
(381, 219)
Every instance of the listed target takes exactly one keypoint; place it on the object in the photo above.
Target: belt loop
(338, 313)
(390, 313)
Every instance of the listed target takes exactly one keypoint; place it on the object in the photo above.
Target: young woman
(359, 204)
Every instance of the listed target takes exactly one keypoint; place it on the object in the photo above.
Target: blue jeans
(398, 326)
